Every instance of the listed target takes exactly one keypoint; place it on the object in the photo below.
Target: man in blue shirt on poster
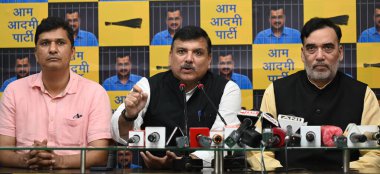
(174, 22)
(278, 33)
(226, 66)
(372, 34)
(81, 37)
(22, 69)
(124, 80)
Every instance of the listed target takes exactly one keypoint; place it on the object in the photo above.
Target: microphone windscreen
(280, 134)
(328, 132)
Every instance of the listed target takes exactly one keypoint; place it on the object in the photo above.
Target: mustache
(174, 24)
(320, 64)
(22, 72)
(187, 66)
(226, 69)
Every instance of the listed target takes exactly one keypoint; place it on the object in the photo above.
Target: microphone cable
(201, 87)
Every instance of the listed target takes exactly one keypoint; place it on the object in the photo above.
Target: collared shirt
(289, 35)
(7, 82)
(241, 80)
(85, 38)
(229, 107)
(114, 84)
(162, 38)
(76, 117)
(370, 35)
(370, 116)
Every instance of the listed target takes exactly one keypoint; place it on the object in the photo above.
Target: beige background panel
(86, 62)
(331, 8)
(266, 68)
(21, 26)
(114, 35)
(239, 19)
(247, 99)
(368, 53)
(116, 98)
(159, 57)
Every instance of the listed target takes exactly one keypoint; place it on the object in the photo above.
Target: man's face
(226, 65)
(73, 19)
(174, 20)
(53, 50)
(22, 67)
(377, 18)
(189, 60)
(321, 54)
(277, 19)
(123, 66)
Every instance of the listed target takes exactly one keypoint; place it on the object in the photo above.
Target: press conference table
(218, 168)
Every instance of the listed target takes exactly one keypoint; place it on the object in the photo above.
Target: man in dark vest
(158, 100)
(322, 95)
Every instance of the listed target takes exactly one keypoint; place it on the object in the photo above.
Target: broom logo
(132, 23)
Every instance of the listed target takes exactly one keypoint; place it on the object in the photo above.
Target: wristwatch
(127, 118)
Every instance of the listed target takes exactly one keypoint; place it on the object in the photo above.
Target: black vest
(166, 106)
(339, 103)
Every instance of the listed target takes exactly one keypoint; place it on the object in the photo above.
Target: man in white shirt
(158, 100)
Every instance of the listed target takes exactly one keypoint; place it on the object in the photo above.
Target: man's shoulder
(111, 78)
(291, 30)
(88, 84)
(368, 31)
(10, 80)
(86, 33)
(265, 32)
(23, 83)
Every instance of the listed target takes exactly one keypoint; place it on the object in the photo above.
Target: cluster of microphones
(285, 131)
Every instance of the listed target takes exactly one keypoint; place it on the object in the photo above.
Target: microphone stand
(186, 163)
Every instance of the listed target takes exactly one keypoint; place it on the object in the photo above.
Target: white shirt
(229, 107)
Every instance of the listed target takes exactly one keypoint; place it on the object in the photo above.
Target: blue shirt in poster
(369, 35)
(7, 82)
(113, 83)
(288, 35)
(85, 38)
(162, 38)
(241, 80)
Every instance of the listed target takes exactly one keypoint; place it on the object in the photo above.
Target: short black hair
(276, 7)
(53, 23)
(191, 33)
(174, 9)
(319, 23)
(72, 11)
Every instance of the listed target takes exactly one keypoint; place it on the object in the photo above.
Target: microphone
(217, 139)
(154, 137)
(292, 139)
(201, 87)
(358, 138)
(372, 135)
(134, 139)
(275, 137)
(203, 141)
(310, 136)
(332, 136)
(235, 135)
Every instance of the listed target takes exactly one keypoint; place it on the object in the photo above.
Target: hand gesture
(154, 162)
(135, 101)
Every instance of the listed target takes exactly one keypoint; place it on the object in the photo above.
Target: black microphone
(204, 141)
(235, 135)
(310, 136)
(201, 87)
(134, 139)
(154, 137)
(358, 138)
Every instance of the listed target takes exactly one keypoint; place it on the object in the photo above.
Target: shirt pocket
(71, 132)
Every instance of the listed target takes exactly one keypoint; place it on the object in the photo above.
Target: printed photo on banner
(168, 17)
(234, 63)
(277, 22)
(124, 23)
(82, 17)
(16, 63)
(123, 67)
(227, 21)
(368, 28)
(19, 23)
